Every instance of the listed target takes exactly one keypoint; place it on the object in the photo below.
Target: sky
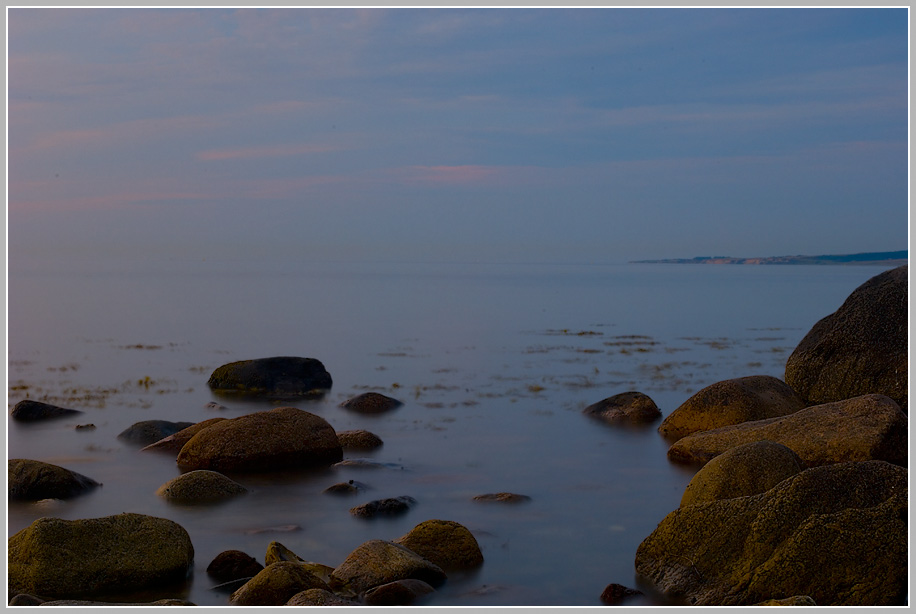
(596, 135)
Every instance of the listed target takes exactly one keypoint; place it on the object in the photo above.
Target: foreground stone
(200, 486)
(798, 600)
(31, 480)
(392, 506)
(283, 376)
(57, 558)
(35, 411)
(150, 431)
(359, 440)
(275, 585)
(279, 439)
(445, 543)
(748, 469)
(175, 442)
(627, 407)
(78, 603)
(232, 565)
(863, 428)
(399, 592)
(317, 596)
(371, 403)
(860, 349)
(733, 401)
(378, 562)
(836, 533)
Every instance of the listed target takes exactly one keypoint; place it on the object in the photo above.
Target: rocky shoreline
(799, 496)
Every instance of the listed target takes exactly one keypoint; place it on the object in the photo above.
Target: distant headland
(882, 258)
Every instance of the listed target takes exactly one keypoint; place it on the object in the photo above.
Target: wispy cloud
(265, 151)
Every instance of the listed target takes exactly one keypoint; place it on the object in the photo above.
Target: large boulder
(446, 543)
(57, 558)
(627, 407)
(31, 480)
(733, 401)
(283, 376)
(748, 469)
(175, 442)
(378, 562)
(275, 584)
(859, 349)
(869, 427)
(279, 439)
(200, 486)
(837, 533)
(28, 410)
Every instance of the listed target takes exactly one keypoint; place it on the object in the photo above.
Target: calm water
(494, 364)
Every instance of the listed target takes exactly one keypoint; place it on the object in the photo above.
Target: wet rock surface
(275, 585)
(391, 506)
(232, 565)
(200, 486)
(147, 432)
(627, 407)
(371, 403)
(36, 411)
(31, 480)
(446, 543)
(279, 376)
(378, 562)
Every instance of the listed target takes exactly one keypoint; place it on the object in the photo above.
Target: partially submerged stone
(359, 439)
(371, 403)
(232, 565)
(275, 585)
(503, 497)
(378, 562)
(200, 486)
(627, 408)
(446, 543)
(175, 442)
(31, 480)
(399, 592)
(147, 432)
(322, 597)
(391, 506)
(279, 376)
(28, 410)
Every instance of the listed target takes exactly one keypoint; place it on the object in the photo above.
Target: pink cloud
(460, 175)
(267, 151)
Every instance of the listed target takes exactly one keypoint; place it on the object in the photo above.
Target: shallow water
(494, 364)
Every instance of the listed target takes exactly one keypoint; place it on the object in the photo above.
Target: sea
(494, 364)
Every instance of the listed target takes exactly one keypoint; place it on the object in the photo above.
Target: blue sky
(568, 135)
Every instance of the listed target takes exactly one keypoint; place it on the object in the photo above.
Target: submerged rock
(31, 480)
(446, 543)
(34, 411)
(66, 559)
(378, 562)
(503, 497)
(350, 487)
(399, 592)
(200, 486)
(371, 403)
(860, 349)
(150, 431)
(283, 376)
(359, 440)
(232, 565)
(392, 506)
(175, 442)
(318, 596)
(627, 407)
(275, 585)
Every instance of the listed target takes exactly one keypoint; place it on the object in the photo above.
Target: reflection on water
(494, 364)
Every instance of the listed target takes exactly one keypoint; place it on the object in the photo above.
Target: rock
(157, 603)
(31, 480)
(627, 407)
(359, 440)
(345, 488)
(748, 469)
(446, 543)
(859, 349)
(200, 486)
(392, 506)
(34, 411)
(801, 600)
(280, 376)
(66, 559)
(175, 442)
(317, 596)
(399, 592)
(232, 565)
(366, 463)
(371, 403)
(277, 552)
(863, 428)
(614, 594)
(378, 562)
(837, 533)
(503, 497)
(282, 438)
(275, 585)
(733, 401)
(150, 431)
(23, 599)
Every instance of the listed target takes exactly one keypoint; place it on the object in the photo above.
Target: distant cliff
(883, 258)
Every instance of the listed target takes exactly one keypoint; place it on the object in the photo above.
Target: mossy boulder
(446, 543)
(869, 427)
(371, 403)
(175, 442)
(57, 558)
(279, 376)
(200, 486)
(837, 533)
(28, 410)
(378, 562)
(732, 401)
(359, 440)
(859, 349)
(31, 480)
(748, 469)
(282, 438)
(627, 408)
(318, 596)
(275, 585)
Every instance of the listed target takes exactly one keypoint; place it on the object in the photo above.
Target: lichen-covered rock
(279, 439)
(31, 480)
(275, 585)
(748, 469)
(378, 562)
(233, 565)
(446, 543)
(175, 442)
(863, 428)
(859, 349)
(359, 440)
(66, 559)
(200, 486)
(317, 596)
(391, 506)
(282, 376)
(797, 600)
(28, 410)
(627, 407)
(732, 401)
(399, 592)
(150, 431)
(837, 533)
(371, 403)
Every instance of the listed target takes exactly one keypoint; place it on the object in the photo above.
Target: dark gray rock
(392, 506)
(371, 403)
(31, 480)
(625, 408)
(34, 411)
(150, 431)
(280, 376)
(400, 592)
(232, 565)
